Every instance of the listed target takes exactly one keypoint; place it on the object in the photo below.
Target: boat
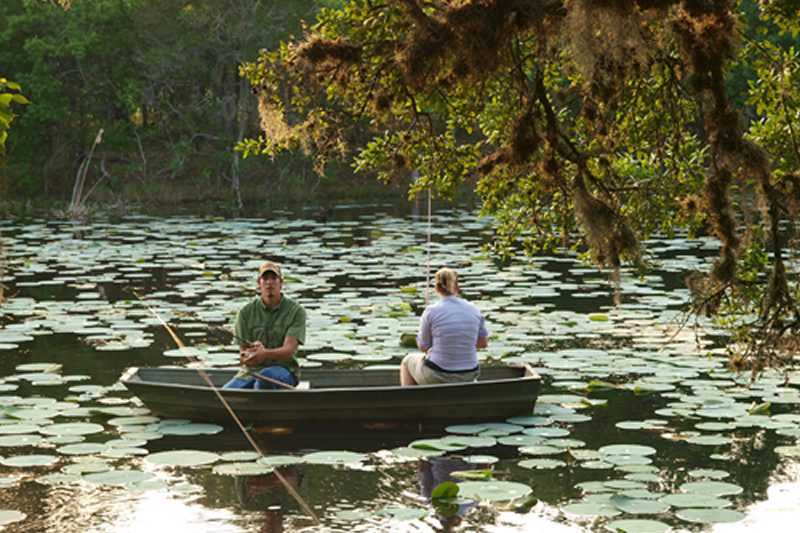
(336, 395)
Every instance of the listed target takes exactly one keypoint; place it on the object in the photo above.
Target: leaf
(446, 489)
(760, 409)
(597, 384)
(473, 474)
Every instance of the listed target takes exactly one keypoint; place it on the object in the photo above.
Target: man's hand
(253, 354)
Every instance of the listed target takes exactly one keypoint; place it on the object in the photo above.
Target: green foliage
(159, 77)
(10, 92)
(582, 124)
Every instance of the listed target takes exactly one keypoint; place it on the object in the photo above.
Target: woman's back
(450, 329)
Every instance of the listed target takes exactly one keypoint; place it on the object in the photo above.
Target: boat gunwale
(131, 375)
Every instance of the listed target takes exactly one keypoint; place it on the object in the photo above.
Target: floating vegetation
(632, 418)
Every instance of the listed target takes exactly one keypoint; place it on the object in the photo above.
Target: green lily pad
(21, 461)
(438, 444)
(469, 441)
(9, 516)
(70, 429)
(403, 513)
(710, 440)
(788, 451)
(541, 464)
(494, 490)
(637, 526)
(242, 469)
(280, 460)
(190, 429)
(240, 456)
(710, 516)
(695, 500)
(86, 467)
(591, 509)
(333, 457)
(17, 429)
(547, 432)
(407, 451)
(58, 478)
(638, 506)
(446, 489)
(541, 449)
(24, 439)
(82, 448)
(627, 449)
(118, 477)
(709, 473)
(481, 459)
(352, 515)
(714, 488)
(182, 458)
(530, 420)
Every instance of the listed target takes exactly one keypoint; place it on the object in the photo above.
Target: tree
(160, 78)
(607, 119)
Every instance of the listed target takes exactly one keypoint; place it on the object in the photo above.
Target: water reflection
(361, 275)
(435, 471)
(269, 495)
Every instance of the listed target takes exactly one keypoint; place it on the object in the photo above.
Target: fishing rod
(291, 490)
(254, 373)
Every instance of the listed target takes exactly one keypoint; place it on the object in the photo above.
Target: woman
(449, 333)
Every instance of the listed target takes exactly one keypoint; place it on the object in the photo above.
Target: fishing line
(299, 499)
(428, 269)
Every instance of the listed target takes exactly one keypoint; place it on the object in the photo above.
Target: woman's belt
(433, 366)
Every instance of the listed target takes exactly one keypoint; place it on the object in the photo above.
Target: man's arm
(258, 354)
(483, 342)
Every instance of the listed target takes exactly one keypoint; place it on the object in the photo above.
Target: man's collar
(264, 305)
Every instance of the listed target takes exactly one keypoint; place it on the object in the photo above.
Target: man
(269, 329)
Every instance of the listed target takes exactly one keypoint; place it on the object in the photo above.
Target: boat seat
(303, 385)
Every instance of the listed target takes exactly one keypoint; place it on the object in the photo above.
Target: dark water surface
(634, 408)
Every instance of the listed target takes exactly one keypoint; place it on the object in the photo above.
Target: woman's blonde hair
(447, 281)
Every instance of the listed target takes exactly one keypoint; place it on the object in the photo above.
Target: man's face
(270, 285)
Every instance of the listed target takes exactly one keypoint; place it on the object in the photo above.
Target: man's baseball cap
(269, 266)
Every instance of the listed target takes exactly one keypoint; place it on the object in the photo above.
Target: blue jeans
(276, 372)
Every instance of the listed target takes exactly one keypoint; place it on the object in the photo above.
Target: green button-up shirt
(257, 322)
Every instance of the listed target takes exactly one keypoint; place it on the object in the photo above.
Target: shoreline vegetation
(312, 197)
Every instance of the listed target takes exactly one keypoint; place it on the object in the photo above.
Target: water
(626, 376)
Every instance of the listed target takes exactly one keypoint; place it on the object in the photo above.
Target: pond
(640, 427)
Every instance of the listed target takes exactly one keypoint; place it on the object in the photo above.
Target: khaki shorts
(424, 375)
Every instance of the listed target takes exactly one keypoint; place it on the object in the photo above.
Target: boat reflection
(268, 494)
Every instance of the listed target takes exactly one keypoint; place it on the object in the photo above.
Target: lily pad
(695, 500)
(627, 449)
(242, 469)
(190, 429)
(333, 457)
(185, 458)
(541, 463)
(352, 515)
(591, 509)
(21, 461)
(714, 488)
(638, 506)
(710, 516)
(494, 490)
(403, 513)
(118, 477)
(70, 429)
(9, 516)
(279, 460)
(637, 526)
